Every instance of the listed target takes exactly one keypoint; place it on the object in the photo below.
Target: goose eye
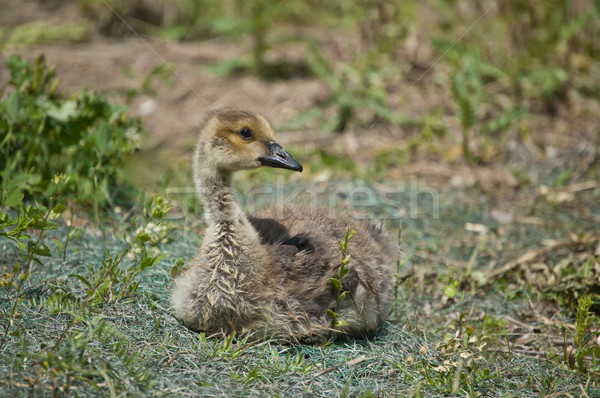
(246, 134)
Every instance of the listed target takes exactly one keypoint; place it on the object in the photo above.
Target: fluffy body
(269, 276)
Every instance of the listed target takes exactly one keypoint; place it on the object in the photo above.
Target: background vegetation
(475, 125)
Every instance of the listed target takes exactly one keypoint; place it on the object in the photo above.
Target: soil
(113, 66)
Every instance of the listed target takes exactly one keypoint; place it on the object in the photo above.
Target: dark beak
(278, 157)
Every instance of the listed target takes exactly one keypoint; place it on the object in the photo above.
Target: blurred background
(491, 105)
(456, 92)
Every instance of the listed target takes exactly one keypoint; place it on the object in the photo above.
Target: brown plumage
(270, 276)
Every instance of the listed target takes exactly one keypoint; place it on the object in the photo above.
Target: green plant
(229, 349)
(546, 50)
(200, 19)
(468, 84)
(39, 32)
(78, 350)
(68, 363)
(160, 71)
(25, 219)
(360, 80)
(111, 283)
(585, 346)
(122, 18)
(262, 22)
(451, 288)
(550, 44)
(356, 86)
(337, 283)
(86, 138)
(574, 277)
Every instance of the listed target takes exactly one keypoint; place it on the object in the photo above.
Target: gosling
(270, 276)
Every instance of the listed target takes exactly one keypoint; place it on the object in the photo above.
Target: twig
(550, 322)
(354, 361)
(517, 322)
(520, 351)
(170, 360)
(535, 253)
(581, 186)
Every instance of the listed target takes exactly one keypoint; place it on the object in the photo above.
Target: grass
(39, 32)
(436, 344)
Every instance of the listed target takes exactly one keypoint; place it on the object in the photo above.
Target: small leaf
(450, 291)
(14, 198)
(64, 112)
(448, 337)
(49, 225)
(351, 234)
(57, 211)
(143, 236)
(57, 178)
(336, 284)
(102, 138)
(150, 261)
(177, 268)
(466, 113)
(59, 244)
(43, 250)
(82, 279)
(13, 106)
(75, 233)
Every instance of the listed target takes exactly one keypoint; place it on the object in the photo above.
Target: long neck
(231, 243)
(214, 189)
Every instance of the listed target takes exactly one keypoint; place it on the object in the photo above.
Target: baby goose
(269, 277)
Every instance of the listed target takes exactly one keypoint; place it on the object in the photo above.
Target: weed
(585, 346)
(468, 88)
(25, 220)
(41, 32)
(258, 21)
(85, 346)
(452, 284)
(86, 138)
(112, 283)
(229, 349)
(357, 86)
(543, 65)
(161, 72)
(337, 283)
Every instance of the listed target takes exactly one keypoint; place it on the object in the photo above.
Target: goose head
(233, 140)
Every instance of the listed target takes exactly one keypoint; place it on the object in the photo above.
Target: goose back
(306, 252)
